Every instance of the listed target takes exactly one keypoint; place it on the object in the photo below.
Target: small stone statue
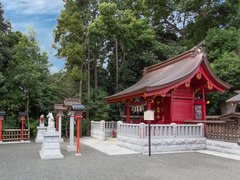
(42, 120)
(51, 123)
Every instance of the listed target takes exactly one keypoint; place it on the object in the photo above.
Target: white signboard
(149, 115)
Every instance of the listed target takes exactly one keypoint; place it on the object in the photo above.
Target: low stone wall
(97, 134)
(101, 130)
(164, 138)
(98, 130)
(160, 145)
(221, 146)
(130, 143)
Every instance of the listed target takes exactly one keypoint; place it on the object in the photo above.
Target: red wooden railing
(15, 135)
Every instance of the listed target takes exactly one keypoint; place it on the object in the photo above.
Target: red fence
(15, 135)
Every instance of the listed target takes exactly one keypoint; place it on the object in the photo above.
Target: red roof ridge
(189, 53)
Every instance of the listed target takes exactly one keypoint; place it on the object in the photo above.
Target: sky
(40, 15)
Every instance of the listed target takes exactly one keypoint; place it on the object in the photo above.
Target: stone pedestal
(51, 146)
(60, 128)
(40, 132)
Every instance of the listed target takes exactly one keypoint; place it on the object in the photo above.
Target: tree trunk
(116, 49)
(95, 73)
(88, 81)
(88, 70)
(80, 84)
(27, 110)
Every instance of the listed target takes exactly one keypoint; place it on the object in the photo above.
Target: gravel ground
(22, 162)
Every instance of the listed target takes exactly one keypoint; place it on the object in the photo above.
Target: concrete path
(220, 154)
(22, 162)
(108, 147)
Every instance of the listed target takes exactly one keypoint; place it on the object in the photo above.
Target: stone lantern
(23, 116)
(59, 112)
(78, 110)
(68, 104)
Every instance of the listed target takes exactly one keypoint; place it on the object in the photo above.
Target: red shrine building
(175, 89)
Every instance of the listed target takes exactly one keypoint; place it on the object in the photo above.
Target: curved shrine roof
(169, 73)
(235, 99)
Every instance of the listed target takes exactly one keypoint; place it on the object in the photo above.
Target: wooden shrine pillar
(149, 102)
(127, 111)
(57, 122)
(203, 105)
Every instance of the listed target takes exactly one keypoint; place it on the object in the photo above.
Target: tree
(5, 26)
(222, 47)
(70, 37)
(27, 79)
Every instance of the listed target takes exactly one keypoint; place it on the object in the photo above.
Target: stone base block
(40, 133)
(15, 142)
(45, 156)
(61, 140)
(51, 146)
(224, 147)
(159, 145)
(71, 148)
(99, 135)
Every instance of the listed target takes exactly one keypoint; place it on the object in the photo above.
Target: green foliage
(24, 80)
(69, 35)
(98, 109)
(222, 47)
(218, 41)
(227, 67)
(33, 127)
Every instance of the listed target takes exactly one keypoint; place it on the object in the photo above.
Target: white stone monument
(41, 129)
(51, 146)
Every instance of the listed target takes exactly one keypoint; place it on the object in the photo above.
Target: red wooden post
(2, 114)
(23, 116)
(203, 105)
(204, 111)
(22, 129)
(149, 103)
(127, 112)
(1, 129)
(78, 135)
(56, 122)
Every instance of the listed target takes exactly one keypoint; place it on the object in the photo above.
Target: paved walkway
(22, 162)
(108, 147)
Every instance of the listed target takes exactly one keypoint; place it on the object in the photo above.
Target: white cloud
(54, 69)
(41, 15)
(33, 6)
